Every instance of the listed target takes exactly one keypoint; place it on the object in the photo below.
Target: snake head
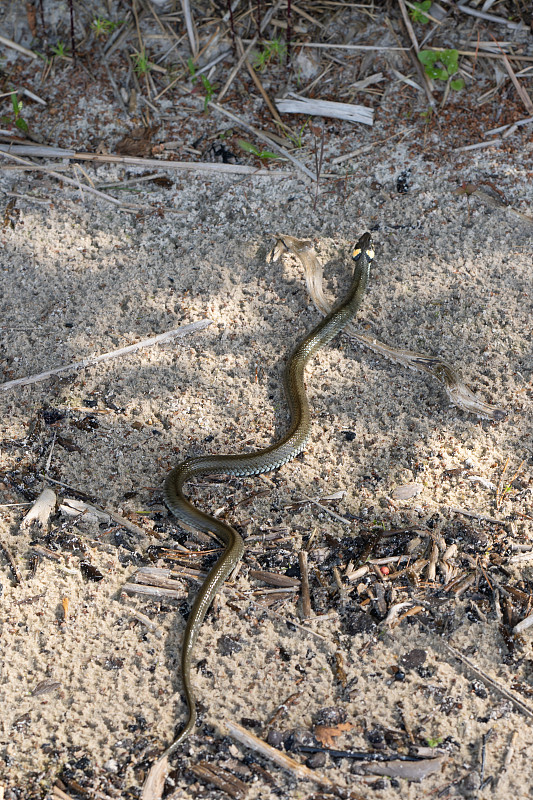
(364, 245)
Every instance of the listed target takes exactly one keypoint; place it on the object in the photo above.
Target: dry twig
(91, 361)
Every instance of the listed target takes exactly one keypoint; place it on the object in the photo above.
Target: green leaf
(248, 147)
(447, 58)
(15, 103)
(267, 154)
(417, 13)
(457, 84)
(192, 69)
(437, 73)
(434, 741)
(428, 57)
(450, 59)
(22, 125)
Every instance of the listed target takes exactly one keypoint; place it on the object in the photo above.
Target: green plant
(103, 27)
(191, 66)
(209, 90)
(417, 13)
(296, 139)
(59, 50)
(206, 83)
(434, 741)
(15, 118)
(441, 65)
(273, 49)
(141, 65)
(248, 147)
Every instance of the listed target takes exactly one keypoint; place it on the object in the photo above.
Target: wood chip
(41, 511)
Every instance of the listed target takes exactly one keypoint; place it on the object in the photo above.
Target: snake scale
(255, 463)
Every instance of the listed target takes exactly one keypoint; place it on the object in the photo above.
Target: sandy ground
(452, 276)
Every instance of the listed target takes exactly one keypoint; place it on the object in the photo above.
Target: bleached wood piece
(325, 108)
(71, 507)
(41, 510)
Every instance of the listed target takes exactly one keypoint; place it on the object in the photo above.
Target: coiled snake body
(292, 443)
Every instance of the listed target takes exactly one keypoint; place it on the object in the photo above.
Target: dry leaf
(326, 734)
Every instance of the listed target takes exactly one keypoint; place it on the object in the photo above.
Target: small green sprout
(16, 118)
(434, 741)
(59, 50)
(103, 27)
(297, 139)
(417, 13)
(441, 65)
(206, 83)
(273, 49)
(192, 69)
(141, 65)
(248, 147)
(209, 90)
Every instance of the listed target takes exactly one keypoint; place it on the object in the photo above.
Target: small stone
(407, 491)
(227, 646)
(316, 760)
(471, 783)
(413, 659)
(331, 715)
(275, 738)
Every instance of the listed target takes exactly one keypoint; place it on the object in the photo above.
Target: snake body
(255, 463)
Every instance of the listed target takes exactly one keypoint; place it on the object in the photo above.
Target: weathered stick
(43, 151)
(122, 351)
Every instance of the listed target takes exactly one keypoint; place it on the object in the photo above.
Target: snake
(254, 463)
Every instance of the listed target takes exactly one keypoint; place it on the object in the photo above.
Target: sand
(80, 277)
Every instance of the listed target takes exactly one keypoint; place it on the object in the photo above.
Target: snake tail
(255, 463)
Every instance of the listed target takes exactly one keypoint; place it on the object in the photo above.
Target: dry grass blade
(307, 611)
(63, 178)
(191, 27)
(15, 46)
(235, 70)
(418, 66)
(490, 17)
(254, 76)
(17, 577)
(501, 491)
(525, 98)
(42, 151)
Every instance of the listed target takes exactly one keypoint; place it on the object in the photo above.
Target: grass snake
(255, 463)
